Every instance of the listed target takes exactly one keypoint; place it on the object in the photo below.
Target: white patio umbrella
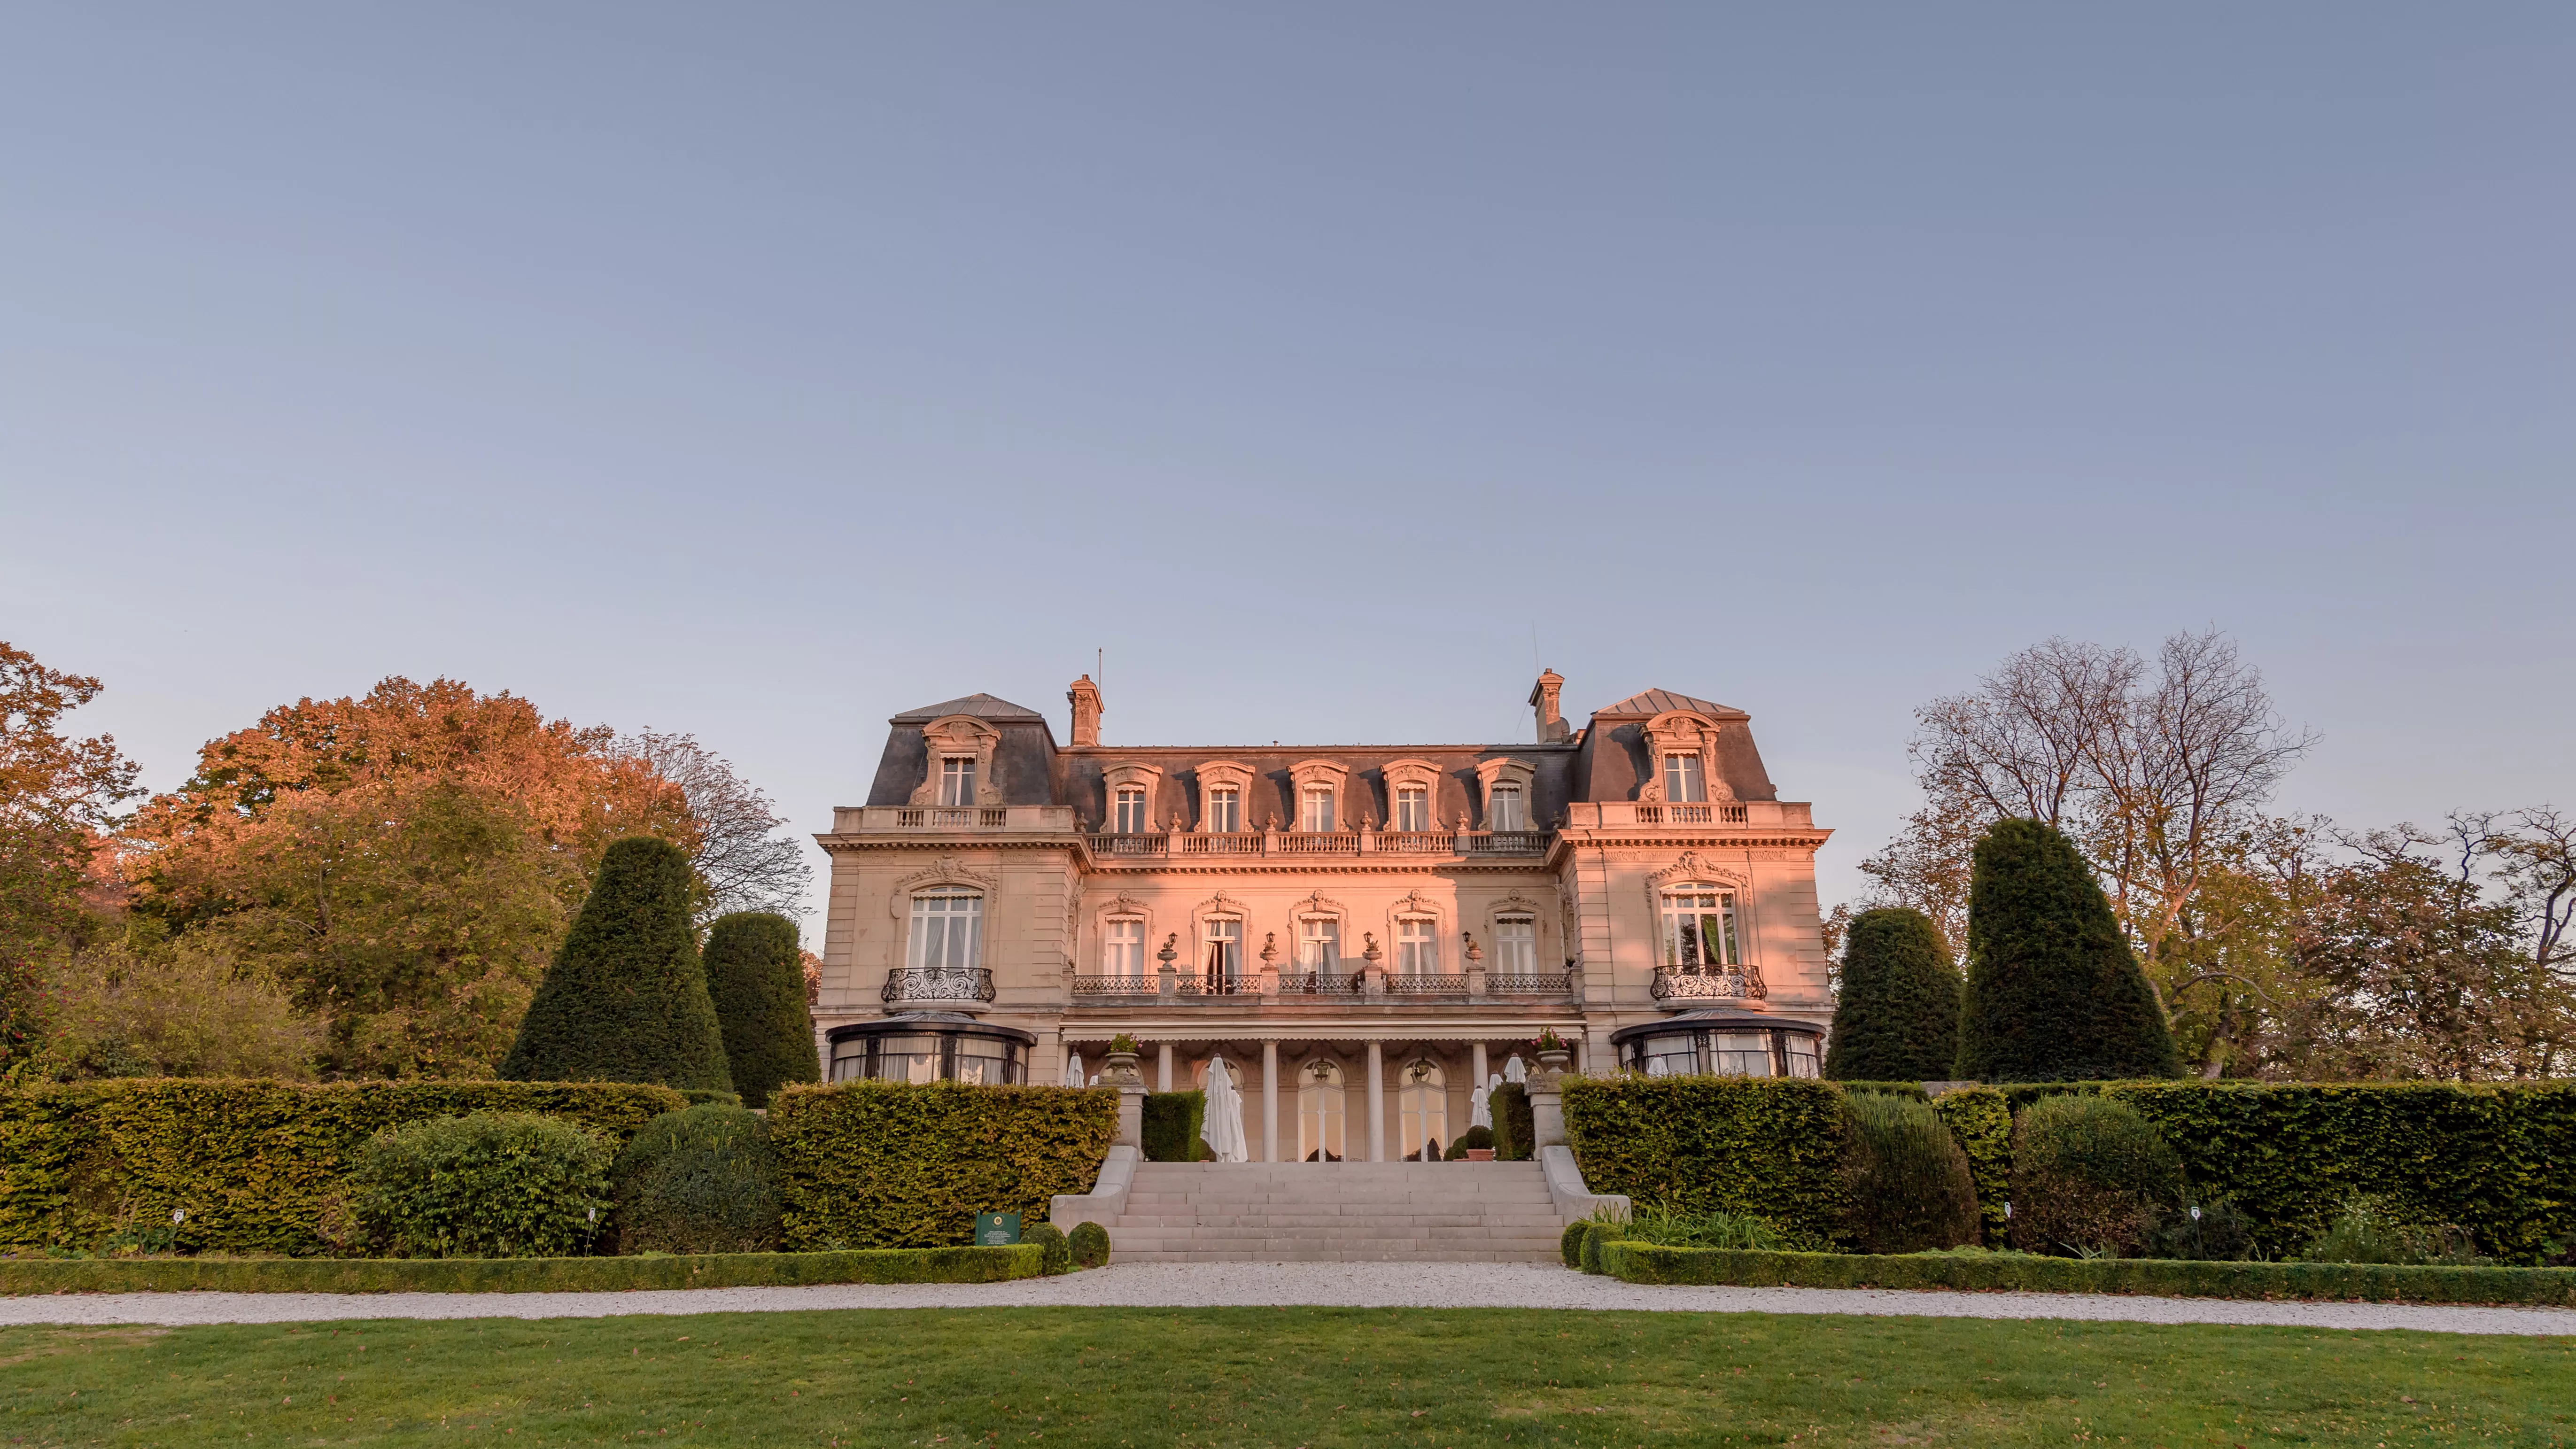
(1073, 1070)
(1657, 1067)
(1223, 1129)
(1514, 1071)
(1480, 1107)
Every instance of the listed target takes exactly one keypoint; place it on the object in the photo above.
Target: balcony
(1374, 988)
(953, 986)
(1683, 988)
(1308, 845)
(1659, 815)
(950, 819)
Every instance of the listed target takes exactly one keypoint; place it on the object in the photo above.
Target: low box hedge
(256, 1166)
(899, 1165)
(517, 1275)
(2370, 1282)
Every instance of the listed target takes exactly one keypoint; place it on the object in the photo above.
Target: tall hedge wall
(1170, 1125)
(894, 1165)
(255, 1165)
(1769, 1146)
(1981, 1119)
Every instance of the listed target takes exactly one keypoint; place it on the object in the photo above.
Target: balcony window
(1684, 782)
(1319, 944)
(1223, 936)
(947, 930)
(1516, 945)
(1224, 811)
(957, 780)
(1699, 931)
(1130, 817)
(1417, 947)
(1123, 952)
(1505, 809)
(1317, 816)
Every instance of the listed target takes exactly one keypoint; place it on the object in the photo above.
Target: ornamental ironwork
(938, 983)
(1722, 985)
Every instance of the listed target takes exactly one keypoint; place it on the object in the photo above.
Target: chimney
(1551, 724)
(1085, 697)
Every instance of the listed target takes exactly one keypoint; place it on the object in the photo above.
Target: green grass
(1312, 1377)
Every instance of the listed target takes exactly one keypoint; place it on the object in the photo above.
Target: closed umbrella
(1514, 1071)
(1480, 1107)
(1223, 1130)
(1073, 1070)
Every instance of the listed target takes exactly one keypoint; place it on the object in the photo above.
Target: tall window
(1318, 813)
(1417, 948)
(1412, 808)
(1422, 1109)
(1131, 809)
(957, 781)
(1319, 944)
(1123, 952)
(1516, 945)
(947, 930)
(1699, 931)
(1683, 781)
(1225, 811)
(1319, 1113)
(1505, 809)
(1224, 938)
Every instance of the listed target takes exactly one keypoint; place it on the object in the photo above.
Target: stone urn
(1553, 1062)
(1119, 1070)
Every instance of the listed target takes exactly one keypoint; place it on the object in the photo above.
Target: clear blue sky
(760, 371)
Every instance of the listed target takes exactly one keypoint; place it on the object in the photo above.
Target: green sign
(996, 1230)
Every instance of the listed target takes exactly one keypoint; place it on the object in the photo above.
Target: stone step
(1184, 1212)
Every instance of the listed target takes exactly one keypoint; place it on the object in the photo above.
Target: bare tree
(2531, 857)
(746, 864)
(2026, 743)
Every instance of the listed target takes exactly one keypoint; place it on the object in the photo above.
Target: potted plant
(1554, 1057)
(1120, 1070)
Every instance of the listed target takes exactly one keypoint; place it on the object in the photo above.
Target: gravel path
(1345, 1285)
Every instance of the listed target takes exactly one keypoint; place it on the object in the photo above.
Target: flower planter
(1480, 1154)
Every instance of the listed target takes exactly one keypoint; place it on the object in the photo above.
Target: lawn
(1305, 1376)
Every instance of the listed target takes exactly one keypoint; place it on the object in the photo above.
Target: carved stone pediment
(948, 870)
(1691, 868)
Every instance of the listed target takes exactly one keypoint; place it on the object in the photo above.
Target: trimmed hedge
(1569, 1244)
(756, 978)
(1982, 1122)
(1887, 1089)
(1651, 1263)
(625, 999)
(259, 1167)
(1170, 1126)
(1052, 1242)
(1089, 1243)
(2053, 991)
(700, 1181)
(897, 1165)
(516, 1275)
(1772, 1147)
(1515, 1136)
(1911, 1185)
(1897, 1014)
(485, 1185)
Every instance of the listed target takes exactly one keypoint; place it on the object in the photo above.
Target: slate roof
(1656, 701)
(981, 706)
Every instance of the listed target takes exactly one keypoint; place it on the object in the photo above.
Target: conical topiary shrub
(1897, 1019)
(756, 976)
(626, 999)
(2054, 993)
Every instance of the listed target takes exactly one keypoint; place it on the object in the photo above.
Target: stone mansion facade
(1360, 933)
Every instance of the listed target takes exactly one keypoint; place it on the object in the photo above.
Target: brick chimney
(1551, 724)
(1085, 698)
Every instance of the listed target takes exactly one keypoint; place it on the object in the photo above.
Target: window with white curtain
(1131, 810)
(1505, 809)
(947, 930)
(1123, 948)
(1224, 811)
(1224, 953)
(1412, 808)
(1684, 782)
(957, 780)
(1417, 946)
(1319, 944)
(1516, 945)
(1317, 815)
(1699, 930)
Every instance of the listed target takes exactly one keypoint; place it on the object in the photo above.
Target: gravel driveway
(1340, 1285)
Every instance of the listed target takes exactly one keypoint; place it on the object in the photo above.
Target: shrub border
(1635, 1262)
(21, 1276)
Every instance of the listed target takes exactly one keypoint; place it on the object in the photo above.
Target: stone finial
(1543, 696)
(1085, 698)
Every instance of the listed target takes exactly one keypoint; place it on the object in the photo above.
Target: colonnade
(1265, 1142)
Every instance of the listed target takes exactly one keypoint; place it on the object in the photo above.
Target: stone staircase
(1304, 1212)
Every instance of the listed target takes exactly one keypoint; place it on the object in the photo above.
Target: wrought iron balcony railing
(1350, 986)
(937, 984)
(1708, 984)
(1161, 845)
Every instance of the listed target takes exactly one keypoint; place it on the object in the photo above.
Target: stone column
(1376, 1104)
(1270, 1101)
(1163, 1067)
(1476, 1059)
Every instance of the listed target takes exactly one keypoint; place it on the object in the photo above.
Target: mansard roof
(1656, 701)
(981, 706)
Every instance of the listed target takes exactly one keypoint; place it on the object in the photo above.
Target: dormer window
(957, 780)
(1225, 811)
(1684, 783)
(1412, 808)
(1316, 816)
(1506, 808)
(1130, 811)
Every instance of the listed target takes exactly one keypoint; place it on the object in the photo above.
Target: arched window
(947, 930)
(1699, 931)
(1319, 1113)
(1422, 1108)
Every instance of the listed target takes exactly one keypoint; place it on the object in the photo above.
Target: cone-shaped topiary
(2054, 994)
(756, 976)
(1897, 1019)
(626, 1000)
